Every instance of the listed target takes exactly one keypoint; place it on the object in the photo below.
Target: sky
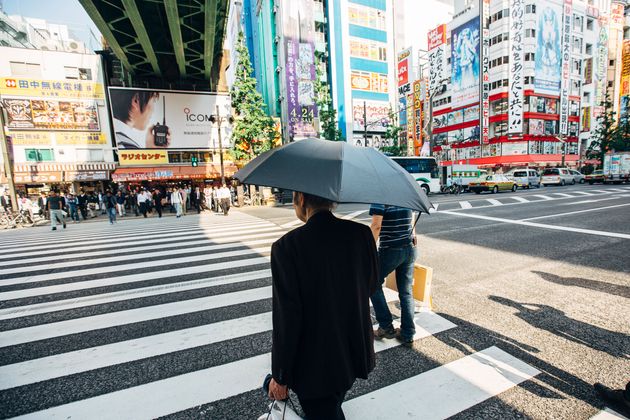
(67, 12)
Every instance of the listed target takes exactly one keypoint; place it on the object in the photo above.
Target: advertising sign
(536, 127)
(566, 67)
(30, 138)
(143, 157)
(377, 115)
(602, 61)
(300, 67)
(369, 81)
(465, 63)
(548, 57)
(517, 58)
(586, 118)
(418, 115)
(471, 113)
(588, 71)
(404, 72)
(80, 139)
(51, 114)
(150, 119)
(514, 148)
(484, 122)
(437, 57)
(57, 89)
(624, 88)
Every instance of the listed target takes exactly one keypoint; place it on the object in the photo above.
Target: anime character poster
(465, 63)
(548, 54)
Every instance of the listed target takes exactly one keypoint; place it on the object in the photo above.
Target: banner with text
(465, 63)
(517, 59)
(566, 67)
(437, 57)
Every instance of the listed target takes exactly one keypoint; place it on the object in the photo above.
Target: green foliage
(253, 132)
(327, 112)
(392, 136)
(609, 136)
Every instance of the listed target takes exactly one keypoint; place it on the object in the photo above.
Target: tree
(392, 136)
(327, 112)
(253, 132)
(609, 136)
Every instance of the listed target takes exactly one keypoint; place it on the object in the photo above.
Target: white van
(524, 178)
(557, 176)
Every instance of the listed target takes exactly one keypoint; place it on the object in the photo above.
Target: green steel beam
(102, 26)
(174, 25)
(143, 38)
(210, 25)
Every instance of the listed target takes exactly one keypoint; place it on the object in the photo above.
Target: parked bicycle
(10, 220)
(252, 200)
(451, 189)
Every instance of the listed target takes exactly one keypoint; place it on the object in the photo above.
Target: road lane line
(544, 197)
(434, 209)
(465, 204)
(521, 199)
(574, 212)
(463, 383)
(539, 225)
(564, 195)
(353, 215)
(582, 192)
(494, 202)
(192, 389)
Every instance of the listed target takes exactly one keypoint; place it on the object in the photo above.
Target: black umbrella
(337, 171)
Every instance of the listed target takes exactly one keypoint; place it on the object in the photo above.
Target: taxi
(492, 183)
(596, 176)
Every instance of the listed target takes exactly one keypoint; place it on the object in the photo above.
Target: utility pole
(365, 124)
(8, 165)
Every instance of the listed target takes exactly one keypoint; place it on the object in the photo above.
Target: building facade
(543, 66)
(57, 118)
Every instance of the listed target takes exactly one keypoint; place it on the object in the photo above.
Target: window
(610, 84)
(367, 16)
(530, 33)
(611, 63)
(85, 74)
(529, 80)
(529, 57)
(577, 67)
(39, 155)
(589, 24)
(371, 50)
(589, 49)
(25, 69)
(577, 23)
(587, 96)
(174, 157)
(499, 107)
(419, 166)
(577, 45)
(530, 8)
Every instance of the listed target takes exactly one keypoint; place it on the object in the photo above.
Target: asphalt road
(171, 317)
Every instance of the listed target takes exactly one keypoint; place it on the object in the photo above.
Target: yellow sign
(139, 157)
(75, 89)
(80, 138)
(30, 138)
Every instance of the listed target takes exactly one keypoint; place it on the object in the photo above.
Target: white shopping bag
(280, 410)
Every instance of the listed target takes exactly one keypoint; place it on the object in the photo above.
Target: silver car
(524, 178)
(577, 176)
(557, 176)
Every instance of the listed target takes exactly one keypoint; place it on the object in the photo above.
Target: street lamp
(218, 119)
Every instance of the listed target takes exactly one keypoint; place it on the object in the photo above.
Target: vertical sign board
(548, 58)
(404, 66)
(300, 67)
(417, 113)
(411, 125)
(437, 58)
(485, 74)
(517, 57)
(624, 90)
(566, 67)
(602, 61)
(465, 63)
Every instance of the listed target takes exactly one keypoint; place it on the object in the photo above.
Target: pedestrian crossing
(172, 318)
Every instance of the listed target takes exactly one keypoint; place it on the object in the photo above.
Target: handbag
(280, 410)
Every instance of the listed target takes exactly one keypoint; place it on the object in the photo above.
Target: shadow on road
(555, 321)
(600, 286)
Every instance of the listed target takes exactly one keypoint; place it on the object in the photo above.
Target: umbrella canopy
(337, 171)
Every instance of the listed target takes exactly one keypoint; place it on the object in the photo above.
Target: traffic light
(194, 161)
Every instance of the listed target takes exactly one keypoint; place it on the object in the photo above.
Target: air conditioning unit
(74, 46)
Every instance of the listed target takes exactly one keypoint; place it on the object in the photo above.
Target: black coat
(323, 276)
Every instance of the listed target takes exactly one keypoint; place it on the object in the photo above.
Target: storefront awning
(173, 172)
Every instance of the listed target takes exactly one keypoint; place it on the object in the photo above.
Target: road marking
(435, 208)
(600, 191)
(465, 204)
(133, 266)
(616, 189)
(463, 383)
(494, 202)
(564, 195)
(581, 192)
(574, 212)
(142, 292)
(112, 319)
(544, 197)
(353, 215)
(189, 390)
(520, 199)
(291, 224)
(539, 225)
(608, 414)
(590, 201)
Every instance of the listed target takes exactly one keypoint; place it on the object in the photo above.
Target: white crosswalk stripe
(90, 306)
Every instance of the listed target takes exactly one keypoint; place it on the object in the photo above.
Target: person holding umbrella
(323, 274)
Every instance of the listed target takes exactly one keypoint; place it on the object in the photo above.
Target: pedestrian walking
(41, 203)
(176, 201)
(25, 206)
(207, 193)
(5, 201)
(184, 194)
(73, 208)
(224, 196)
(133, 199)
(196, 199)
(101, 202)
(327, 263)
(142, 203)
(158, 197)
(56, 205)
(215, 199)
(83, 202)
(393, 228)
(110, 206)
(120, 203)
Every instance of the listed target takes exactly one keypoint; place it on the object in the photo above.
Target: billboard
(369, 81)
(300, 67)
(624, 89)
(158, 119)
(437, 57)
(517, 61)
(51, 114)
(465, 63)
(484, 122)
(566, 67)
(377, 115)
(602, 61)
(548, 57)
(404, 72)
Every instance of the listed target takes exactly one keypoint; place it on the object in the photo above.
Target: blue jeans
(111, 212)
(74, 213)
(402, 260)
